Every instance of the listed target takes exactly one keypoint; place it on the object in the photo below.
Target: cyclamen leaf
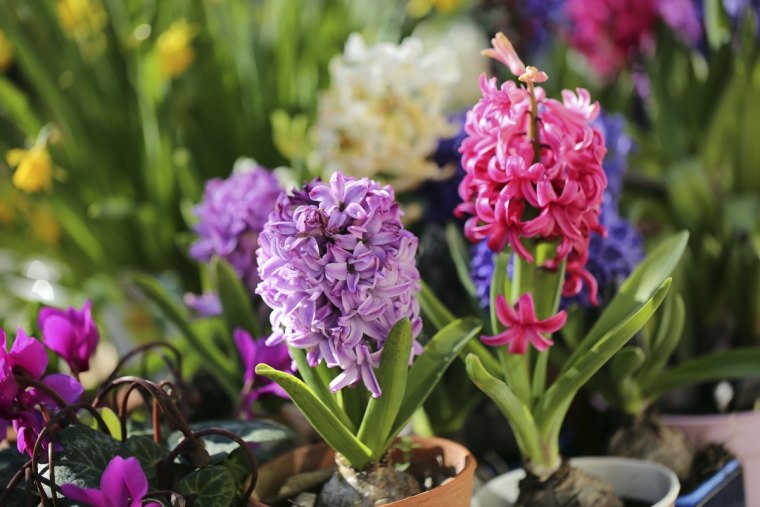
(147, 452)
(209, 487)
(86, 455)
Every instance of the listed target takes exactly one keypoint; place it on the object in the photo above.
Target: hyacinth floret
(231, 215)
(533, 169)
(338, 270)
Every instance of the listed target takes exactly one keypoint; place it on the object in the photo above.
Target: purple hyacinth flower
(338, 271)
(253, 352)
(123, 484)
(70, 333)
(481, 271)
(231, 216)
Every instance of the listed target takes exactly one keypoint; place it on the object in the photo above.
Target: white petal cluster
(383, 114)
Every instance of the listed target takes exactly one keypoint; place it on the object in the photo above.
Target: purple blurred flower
(619, 146)
(613, 258)
(232, 214)
(70, 333)
(481, 271)
(205, 305)
(123, 484)
(442, 196)
(338, 271)
(684, 17)
(253, 352)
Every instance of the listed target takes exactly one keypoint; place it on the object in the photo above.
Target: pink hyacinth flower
(123, 484)
(504, 51)
(523, 326)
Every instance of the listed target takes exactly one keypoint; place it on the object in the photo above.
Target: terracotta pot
(632, 479)
(457, 492)
(738, 432)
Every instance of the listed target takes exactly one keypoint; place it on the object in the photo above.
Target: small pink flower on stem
(523, 326)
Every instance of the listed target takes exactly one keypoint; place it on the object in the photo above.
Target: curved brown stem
(176, 368)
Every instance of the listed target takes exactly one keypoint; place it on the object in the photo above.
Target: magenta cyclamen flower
(523, 326)
(514, 193)
(232, 214)
(123, 484)
(338, 271)
(70, 333)
(253, 352)
(27, 358)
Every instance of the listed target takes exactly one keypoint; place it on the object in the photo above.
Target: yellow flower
(45, 227)
(6, 53)
(419, 8)
(34, 171)
(80, 19)
(175, 54)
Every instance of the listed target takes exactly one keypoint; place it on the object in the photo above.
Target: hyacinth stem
(533, 126)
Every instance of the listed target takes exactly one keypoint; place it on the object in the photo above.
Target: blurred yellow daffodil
(419, 8)
(6, 53)
(34, 168)
(175, 52)
(80, 19)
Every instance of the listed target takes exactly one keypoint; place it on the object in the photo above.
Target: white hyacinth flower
(383, 114)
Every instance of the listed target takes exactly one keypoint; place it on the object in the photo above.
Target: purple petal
(124, 479)
(91, 497)
(247, 349)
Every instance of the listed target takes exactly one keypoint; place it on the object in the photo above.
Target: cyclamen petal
(123, 484)
(28, 354)
(71, 333)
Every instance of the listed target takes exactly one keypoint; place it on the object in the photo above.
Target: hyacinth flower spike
(338, 269)
(533, 192)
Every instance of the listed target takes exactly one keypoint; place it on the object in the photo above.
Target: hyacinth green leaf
(391, 376)
(236, 300)
(322, 419)
(553, 405)
(218, 366)
(724, 365)
(666, 340)
(518, 415)
(320, 385)
(437, 313)
(638, 288)
(626, 362)
(429, 367)
(461, 257)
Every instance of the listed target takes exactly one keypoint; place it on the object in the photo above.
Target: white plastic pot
(632, 479)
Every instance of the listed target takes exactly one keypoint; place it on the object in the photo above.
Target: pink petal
(553, 323)
(505, 53)
(506, 314)
(29, 354)
(90, 497)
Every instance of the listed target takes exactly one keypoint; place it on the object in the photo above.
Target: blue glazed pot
(723, 489)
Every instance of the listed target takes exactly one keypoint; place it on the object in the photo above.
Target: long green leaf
(321, 418)
(217, 365)
(236, 300)
(429, 367)
(517, 414)
(392, 377)
(551, 409)
(440, 317)
(461, 258)
(635, 291)
(727, 364)
(319, 385)
(666, 341)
